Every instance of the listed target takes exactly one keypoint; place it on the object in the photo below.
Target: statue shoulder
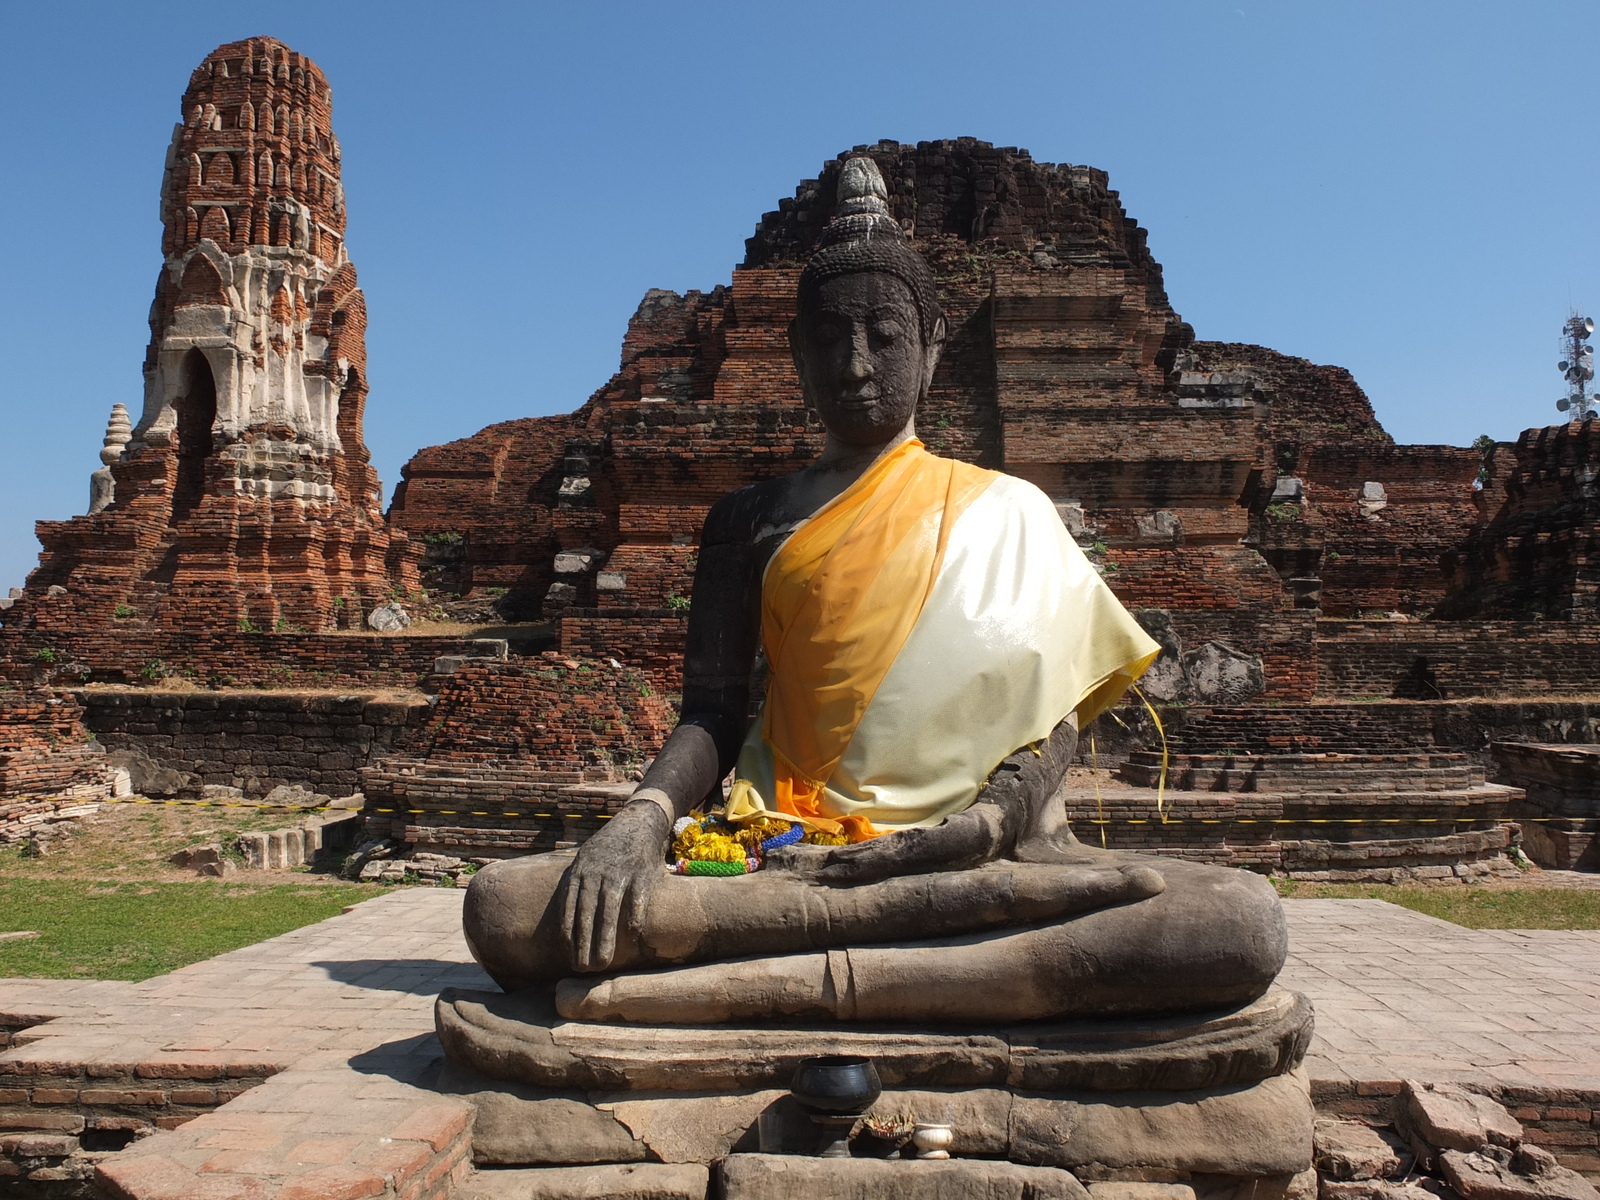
(738, 516)
(1021, 494)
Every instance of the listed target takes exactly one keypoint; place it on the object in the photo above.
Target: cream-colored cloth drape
(1017, 631)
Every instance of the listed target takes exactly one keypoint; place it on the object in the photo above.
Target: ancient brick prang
(244, 492)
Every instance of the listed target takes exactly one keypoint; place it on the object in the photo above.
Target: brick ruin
(51, 768)
(1246, 503)
(1237, 486)
(518, 757)
(243, 493)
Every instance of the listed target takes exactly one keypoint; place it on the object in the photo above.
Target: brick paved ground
(342, 1012)
(1401, 995)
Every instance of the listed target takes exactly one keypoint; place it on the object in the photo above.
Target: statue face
(862, 362)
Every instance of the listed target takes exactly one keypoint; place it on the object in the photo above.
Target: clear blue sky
(1407, 189)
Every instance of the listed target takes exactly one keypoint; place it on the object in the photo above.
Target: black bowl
(836, 1083)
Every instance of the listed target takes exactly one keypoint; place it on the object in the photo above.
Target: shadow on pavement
(417, 976)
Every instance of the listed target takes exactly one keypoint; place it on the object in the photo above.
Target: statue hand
(964, 840)
(611, 880)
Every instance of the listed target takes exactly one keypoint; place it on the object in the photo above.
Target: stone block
(1372, 1189)
(622, 1181)
(1346, 1150)
(197, 856)
(1264, 1129)
(1444, 1116)
(1496, 1173)
(784, 1177)
(518, 1125)
(254, 846)
(1138, 1189)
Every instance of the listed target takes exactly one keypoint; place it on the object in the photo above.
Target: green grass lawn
(135, 929)
(1476, 908)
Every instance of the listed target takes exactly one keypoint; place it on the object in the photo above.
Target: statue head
(869, 328)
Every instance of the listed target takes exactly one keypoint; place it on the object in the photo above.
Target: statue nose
(859, 365)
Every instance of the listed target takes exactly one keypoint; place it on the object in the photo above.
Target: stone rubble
(423, 868)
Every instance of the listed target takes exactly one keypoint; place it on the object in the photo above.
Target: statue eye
(826, 332)
(887, 331)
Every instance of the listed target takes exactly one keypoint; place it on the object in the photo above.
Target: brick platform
(340, 1013)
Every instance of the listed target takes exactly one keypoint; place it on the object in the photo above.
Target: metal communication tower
(1577, 365)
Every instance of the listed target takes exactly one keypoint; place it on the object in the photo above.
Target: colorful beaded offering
(705, 844)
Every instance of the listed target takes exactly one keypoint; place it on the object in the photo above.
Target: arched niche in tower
(197, 413)
(201, 283)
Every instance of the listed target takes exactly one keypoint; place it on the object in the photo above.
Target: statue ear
(796, 344)
(935, 347)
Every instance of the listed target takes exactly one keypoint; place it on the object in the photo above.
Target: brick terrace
(323, 1034)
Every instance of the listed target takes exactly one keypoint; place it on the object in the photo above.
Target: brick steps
(1325, 772)
(1305, 729)
(1357, 790)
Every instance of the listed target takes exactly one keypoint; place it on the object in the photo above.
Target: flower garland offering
(707, 844)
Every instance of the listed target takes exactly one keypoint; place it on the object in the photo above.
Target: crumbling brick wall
(1538, 552)
(221, 658)
(255, 740)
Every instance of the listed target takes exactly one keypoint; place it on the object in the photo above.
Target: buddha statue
(934, 641)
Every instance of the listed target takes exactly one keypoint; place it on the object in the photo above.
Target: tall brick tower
(245, 492)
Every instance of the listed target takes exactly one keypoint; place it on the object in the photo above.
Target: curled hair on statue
(863, 238)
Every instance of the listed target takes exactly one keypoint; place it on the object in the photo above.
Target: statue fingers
(863, 863)
(584, 928)
(612, 896)
(638, 901)
(1144, 881)
(569, 905)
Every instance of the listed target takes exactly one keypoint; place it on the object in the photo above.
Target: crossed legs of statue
(1093, 933)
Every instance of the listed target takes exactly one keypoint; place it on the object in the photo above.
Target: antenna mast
(1577, 366)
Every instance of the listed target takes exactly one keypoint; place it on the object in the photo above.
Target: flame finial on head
(861, 189)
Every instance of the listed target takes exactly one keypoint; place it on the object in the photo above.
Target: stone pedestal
(1214, 1102)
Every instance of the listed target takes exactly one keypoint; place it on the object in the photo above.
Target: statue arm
(611, 880)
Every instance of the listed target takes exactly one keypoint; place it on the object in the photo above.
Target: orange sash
(838, 601)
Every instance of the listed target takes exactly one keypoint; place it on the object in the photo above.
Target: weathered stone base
(644, 1181)
(520, 1038)
(779, 1177)
(1258, 1130)
(788, 1177)
(1218, 1094)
